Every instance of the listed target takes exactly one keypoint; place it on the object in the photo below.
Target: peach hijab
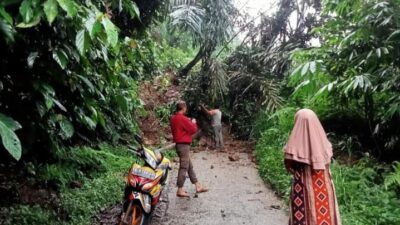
(308, 142)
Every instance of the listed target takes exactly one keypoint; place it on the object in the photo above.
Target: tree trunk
(185, 70)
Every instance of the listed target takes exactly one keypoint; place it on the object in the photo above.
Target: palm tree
(208, 21)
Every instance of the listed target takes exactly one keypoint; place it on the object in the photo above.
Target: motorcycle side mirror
(139, 139)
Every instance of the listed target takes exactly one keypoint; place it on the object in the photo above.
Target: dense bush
(356, 69)
(69, 71)
(100, 172)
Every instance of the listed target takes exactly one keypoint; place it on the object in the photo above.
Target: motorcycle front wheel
(134, 215)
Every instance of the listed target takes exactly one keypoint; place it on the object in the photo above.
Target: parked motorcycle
(144, 185)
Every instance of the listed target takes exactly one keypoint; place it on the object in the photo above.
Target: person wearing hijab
(308, 155)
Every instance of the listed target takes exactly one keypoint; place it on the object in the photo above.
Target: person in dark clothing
(183, 129)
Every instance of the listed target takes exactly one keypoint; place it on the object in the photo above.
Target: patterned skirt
(313, 199)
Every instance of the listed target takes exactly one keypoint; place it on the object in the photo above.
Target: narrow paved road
(237, 195)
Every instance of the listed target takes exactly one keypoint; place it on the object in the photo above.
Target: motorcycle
(144, 184)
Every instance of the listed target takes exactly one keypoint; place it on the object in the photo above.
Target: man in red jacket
(182, 130)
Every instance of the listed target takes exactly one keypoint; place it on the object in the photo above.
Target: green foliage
(104, 190)
(28, 215)
(218, 80)
(270, 159)
(356, 66)
(393, 179)
(376, 205)
(170, 154)
(9, 138)
(209, 23)
(360, 188)
(188, 18)
(72, 164)
(163, 114)
(96, 194)
(77, 73)
(101, 173)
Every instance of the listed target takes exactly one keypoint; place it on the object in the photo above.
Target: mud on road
(237, 195)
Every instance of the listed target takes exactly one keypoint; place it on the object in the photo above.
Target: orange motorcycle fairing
(143, 178)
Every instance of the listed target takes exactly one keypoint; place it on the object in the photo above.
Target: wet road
(237, 195)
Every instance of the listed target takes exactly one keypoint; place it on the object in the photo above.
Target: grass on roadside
(101, 173)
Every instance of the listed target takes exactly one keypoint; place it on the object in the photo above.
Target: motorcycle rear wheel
(134, 215)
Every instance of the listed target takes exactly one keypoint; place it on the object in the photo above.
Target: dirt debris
(233, 158)
(154, 94)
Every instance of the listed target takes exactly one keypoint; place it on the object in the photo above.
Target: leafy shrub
(82, 204)
(363, 200)
(393, 179)
(356, 68)
(103, 191)
(170, 154)
(79, 64)
(269, 155)
(101, 173)
(73, 164)
(28, 215)
(163, 113)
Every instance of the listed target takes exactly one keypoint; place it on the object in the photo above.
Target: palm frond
(218, 79)
(188, 17)
(264, 89)
(182, 2)
(393, 179)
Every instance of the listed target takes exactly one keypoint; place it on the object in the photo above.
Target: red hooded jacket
(182, 128)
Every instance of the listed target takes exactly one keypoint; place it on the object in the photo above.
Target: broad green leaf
(304, 70)
(7, 30)
(48, 101)
(101, 119)
(88, 83)
(48, 93)
(41, 109)
(10, 141)
(7, 17)
(385, 50)
(26, 11)
(92, 26)
(59, 105)
(133, 9)
(296, 71)
(61, 58)
(122, 103)
(301, 85)
(89, 122)
(392, 35)
(47, 89)
(31, 59)
(34, 22)
(50, 8)
(67, 129)
(9, 122)
(94, 112)
(378, 52)
(82, 41)
(111, 31)
(68, 6)
(104, 52)
(313, 67)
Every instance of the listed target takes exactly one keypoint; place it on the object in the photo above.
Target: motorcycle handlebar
(133, 150)
(172, 145)
(136, 151)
